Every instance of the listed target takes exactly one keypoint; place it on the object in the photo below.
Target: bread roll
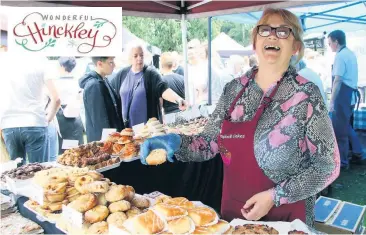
(98, 228)
(119, 206)
(71, 191)
(140, 202)
(162, 199)
(170, 212)
(95, 175)
(55, 197)
(101, 200)
(84, 202)
(55, 188)
(127, 132)
(180, 226)
(156, 157)
(117, 219)
(134, 211)
(97, 214)
(181, 201)
(202, 216)
(130, 193)
(116, 193)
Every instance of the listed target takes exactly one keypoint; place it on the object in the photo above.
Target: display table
(48, 227)
(197, 181)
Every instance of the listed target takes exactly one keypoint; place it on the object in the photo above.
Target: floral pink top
(294, 142)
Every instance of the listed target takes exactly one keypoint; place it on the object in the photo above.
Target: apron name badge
(232, 136)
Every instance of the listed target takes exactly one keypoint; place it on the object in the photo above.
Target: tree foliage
(167, 34)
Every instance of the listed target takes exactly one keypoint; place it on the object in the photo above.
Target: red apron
(243, 178)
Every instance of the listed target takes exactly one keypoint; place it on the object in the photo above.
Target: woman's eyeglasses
(281, 32)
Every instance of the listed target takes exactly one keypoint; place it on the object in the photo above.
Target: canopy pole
(209, 60)
(185, 56)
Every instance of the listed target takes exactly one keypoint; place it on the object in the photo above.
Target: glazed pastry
(101, 200)
(181, 201)
(117, 148)
(202, 216)
(119, 206)
(55, 188)
(221, 227)
(180, 226)
(95, 175)
(170, 212)
(55, 197)
(127, 132)
(97, 214)
(146, 223)
(162, 199)
(71, 191)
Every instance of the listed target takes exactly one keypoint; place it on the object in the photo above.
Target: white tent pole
(185, 56)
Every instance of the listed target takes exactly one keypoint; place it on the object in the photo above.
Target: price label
(38, 194)
(69, 144)
(137, 128)
(72, 216)
(106, 132)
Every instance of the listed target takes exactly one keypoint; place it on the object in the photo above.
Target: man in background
(174, 81)
(23, 118)
(343, 100)
(102, 106)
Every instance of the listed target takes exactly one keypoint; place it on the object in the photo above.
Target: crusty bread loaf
(156, 157)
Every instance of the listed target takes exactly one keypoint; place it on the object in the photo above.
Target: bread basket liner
(129, 226)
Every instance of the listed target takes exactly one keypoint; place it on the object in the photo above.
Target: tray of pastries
(192, 127)
(239, 226)
(124, 145)
(89, 155)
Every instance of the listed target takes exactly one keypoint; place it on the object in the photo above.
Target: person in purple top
(140, 88)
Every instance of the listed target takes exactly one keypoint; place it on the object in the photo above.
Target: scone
(134, 211)
(98, 228)
(97, 214)
(81, 181)
(116, 193)
(180, 226)
(156, 157)
(170, 212)
(181, 201)
(117, 219)
(202, 216)
(130, 193)
(84, 202)
(101, 200)
(119, 206)
(140, 202)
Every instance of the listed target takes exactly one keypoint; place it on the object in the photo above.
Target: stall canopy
(226, 46)
(168, 9)
(348, 16)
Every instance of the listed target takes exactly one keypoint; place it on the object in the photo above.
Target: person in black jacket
(140, 88)
(102, 104)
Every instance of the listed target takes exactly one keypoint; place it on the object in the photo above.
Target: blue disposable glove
(170, 143)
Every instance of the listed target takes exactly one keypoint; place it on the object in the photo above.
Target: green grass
(351, 186)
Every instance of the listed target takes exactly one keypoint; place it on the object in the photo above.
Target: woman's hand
(183, 105)
(258, 206)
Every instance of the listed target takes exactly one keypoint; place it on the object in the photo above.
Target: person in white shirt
(23, 118)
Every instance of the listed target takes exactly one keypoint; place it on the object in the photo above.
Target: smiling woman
(275, 137)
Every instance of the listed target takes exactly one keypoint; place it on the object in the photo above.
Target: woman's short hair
(339, 36)
(68, 63)
(290, 19)
(137, 44)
